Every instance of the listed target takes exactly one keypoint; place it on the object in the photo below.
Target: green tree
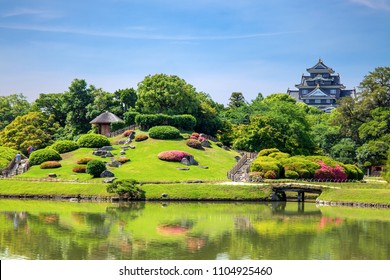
(128, 98)
(344, 151)
(166, 94)
(103, 101)
(386, 175)
(34, 129)
(237, 100)
(51, 104)
(372, 153)
(76, 101)
(12, 106)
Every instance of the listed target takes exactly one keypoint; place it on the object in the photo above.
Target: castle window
(304, 91)
(318, 101)
(332, 91)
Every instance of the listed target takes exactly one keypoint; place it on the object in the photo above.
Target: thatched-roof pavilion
(103, 122)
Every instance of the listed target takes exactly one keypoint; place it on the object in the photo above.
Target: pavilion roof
(106, 117)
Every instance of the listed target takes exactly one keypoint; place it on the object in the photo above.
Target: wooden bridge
(279, 190)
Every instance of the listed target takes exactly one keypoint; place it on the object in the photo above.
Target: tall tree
(76, 101)
(128, 98)
(236, 100)
(12, 106)
(51, 104)
(167, 94)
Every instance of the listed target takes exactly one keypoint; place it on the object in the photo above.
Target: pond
(55, 230)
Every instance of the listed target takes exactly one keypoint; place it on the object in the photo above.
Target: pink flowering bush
(173, 155)
(327, 172)
(201, 139)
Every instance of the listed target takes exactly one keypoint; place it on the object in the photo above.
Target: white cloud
(374, 4)
(30, 12)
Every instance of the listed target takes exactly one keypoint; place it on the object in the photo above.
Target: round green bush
(291, 174)
(126, 189)
(266, 152)
(164, 132)
(304, 174)
(64, 146)
(93, 140)
(264, 164)
(95, 167)
(50, 164)
(40, 156)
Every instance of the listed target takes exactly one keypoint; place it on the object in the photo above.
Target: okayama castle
(321, 88)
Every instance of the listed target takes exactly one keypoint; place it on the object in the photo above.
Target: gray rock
(204, 167)
(226, 148)
(185, 161)
(203, 135)
(122, 152)
(125, 148)
(183, 168)
(192, 161)
(107, 148)
(106, 174)
(237, 158)
(132, 135)
(109, 180)
(109, 154)
(132, 147)
(206, 143)
(114, 163)
(121, 142)
(164, 195)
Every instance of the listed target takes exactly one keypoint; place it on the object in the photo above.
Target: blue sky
(218, 46)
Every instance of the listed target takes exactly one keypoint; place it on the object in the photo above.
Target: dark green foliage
(126, 189)
(129, 117)
(50, 164)
(117, 125)
(386, 174)
(40, 156)
(64, 146)
(6, 156)
(184, 122)
(353, 172)
(264, 164)
(164, 132)
(95, 167)
(93, 141)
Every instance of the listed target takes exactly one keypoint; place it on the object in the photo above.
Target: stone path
(19, 169)
(242, 173)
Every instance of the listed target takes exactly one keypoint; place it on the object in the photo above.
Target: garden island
(167, 141)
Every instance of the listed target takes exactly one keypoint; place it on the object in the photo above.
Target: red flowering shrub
(330, 173)
(193, 143)
(79, 169)
(50, 164)
(84, 160)
(127, 132)
(141, 137)
(194, 135)
(201, 139)
(173, 155)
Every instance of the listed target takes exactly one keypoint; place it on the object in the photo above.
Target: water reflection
(60, 230)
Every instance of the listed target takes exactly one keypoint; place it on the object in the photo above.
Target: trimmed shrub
(128, 132)
(256, 176)
(185, 122)
(129, 117)
(304, 174)
(266, 152)
(279, 155)
(146, 121)
(84, 160)
(164, 132)
(126, 189)
(40, 156)
(194, 135)
(95, 167)
(298, 163)
(270, 174)
(173, 155)
(93, 140)
(123, 160)
(49, 164)
(291, 174)
(64, 146)
(79, 169)
(117, 125)
(193, 143)
(353, 172)
(264, 164)
(141, 137)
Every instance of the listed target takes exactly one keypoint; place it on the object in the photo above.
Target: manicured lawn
(145, 166)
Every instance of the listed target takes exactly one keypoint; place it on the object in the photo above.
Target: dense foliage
(92, 140)
(64, 146)
(6, 156)
(184, 122)
(126, 189)
(33, 129)
(40, 156)
(164, 132)
(95, 167)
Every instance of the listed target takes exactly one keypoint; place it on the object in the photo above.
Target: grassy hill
(144, 164)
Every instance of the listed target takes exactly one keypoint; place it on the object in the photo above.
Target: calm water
(65, 230)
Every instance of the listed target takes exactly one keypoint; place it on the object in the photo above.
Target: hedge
(129, 117)
(164, 132)
(40, 156)
(117, 125)
(95, 167)
(64, 146)
(265, 164)
(184, 122)
(93, 140)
